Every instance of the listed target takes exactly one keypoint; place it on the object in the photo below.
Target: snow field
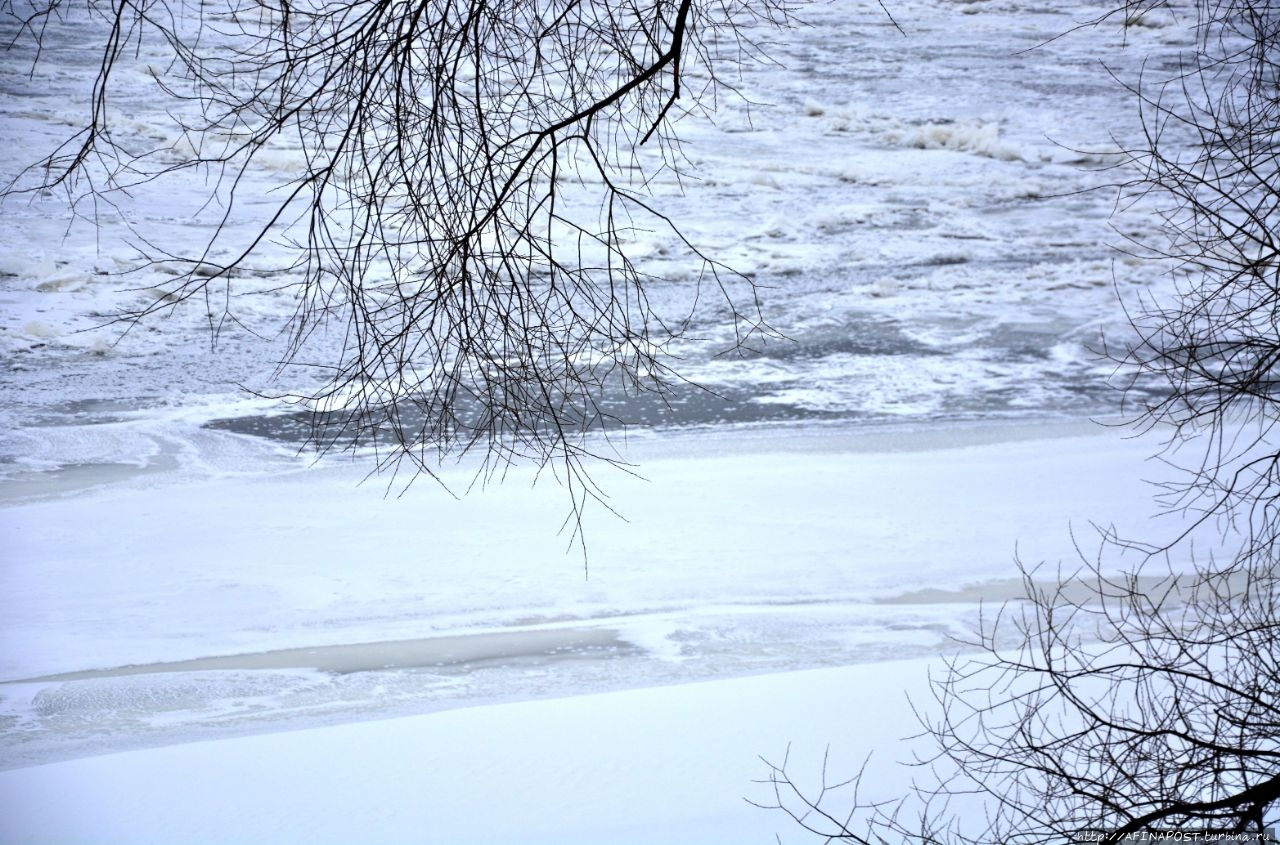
(663, 765)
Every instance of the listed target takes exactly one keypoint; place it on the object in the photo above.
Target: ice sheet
(166, 609)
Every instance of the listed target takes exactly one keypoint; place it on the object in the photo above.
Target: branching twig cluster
(1136, 703)
(1106, 703)
(1207, 361)
(475, 171)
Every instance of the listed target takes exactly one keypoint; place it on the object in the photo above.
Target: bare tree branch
(1147, 700)
(475, 172)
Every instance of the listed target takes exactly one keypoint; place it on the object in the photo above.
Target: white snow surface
(297, 600)
(660, 765)
(207, 636)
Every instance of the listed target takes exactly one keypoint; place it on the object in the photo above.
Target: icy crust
(917, 212)
(916, 208)
(151, 706)
(157, 612)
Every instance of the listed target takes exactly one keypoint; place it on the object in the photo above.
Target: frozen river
(169, 609)
(922, 211)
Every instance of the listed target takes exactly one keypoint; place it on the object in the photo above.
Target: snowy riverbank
(661, 765)
(621, 707)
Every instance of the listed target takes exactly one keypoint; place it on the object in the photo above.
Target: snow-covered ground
(207, 637)
(661, 765)
(166, 610)
(322, 603)
(780, 553)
